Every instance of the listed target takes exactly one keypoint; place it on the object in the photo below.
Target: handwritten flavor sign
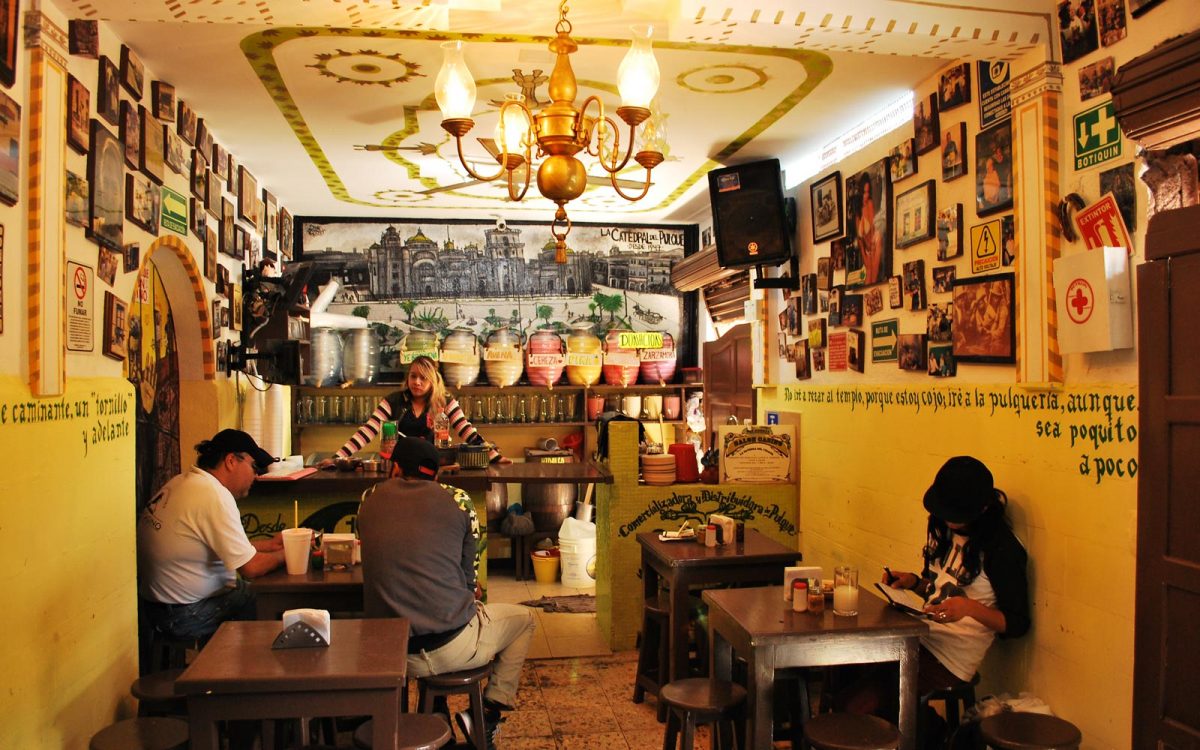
(756, 453)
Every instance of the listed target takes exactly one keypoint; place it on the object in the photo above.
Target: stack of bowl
(658, 468)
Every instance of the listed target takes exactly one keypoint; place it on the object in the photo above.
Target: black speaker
(750, 217)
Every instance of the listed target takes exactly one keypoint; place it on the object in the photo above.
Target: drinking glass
(321, 414)
(845, 590)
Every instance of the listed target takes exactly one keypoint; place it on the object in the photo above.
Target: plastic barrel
(578, 562)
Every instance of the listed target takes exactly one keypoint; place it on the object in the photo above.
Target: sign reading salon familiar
(757, 453)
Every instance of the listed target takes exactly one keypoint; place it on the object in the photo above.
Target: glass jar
(460, 358)
(584, 360)
(658, 365)
(502, 359)
(620, 364)
(816, 599)
(544, 361)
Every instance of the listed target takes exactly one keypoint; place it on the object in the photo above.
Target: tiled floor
(558, 634)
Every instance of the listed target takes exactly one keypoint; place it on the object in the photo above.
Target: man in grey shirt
(419, 562)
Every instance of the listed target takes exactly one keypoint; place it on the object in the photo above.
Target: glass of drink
(845, 590)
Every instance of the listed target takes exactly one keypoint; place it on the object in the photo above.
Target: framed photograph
(852, 309)
(926, 124)
(220, 161)
(132, 257)
(285, 234)
(228, 222)
(77, 200)
(216, 318)
(912, 352)
(818, 360)
(142, 202)
(837, 254)
(150, 152)
(824, 274)
(241, 242)
(903, 160)
(176, 152)
(914, 211)
(941, 361)
(131, 136)
(1008, 240)
(198, 218)
(939, 322)
(808, 293)
(12, 24)
(1120, 181)
(895, 293)
(223, 281)
(83, 38)
(873, 300)
(943, 280)
(954, 152)
(235, 307)
(869, 226)
(133, 73)
(984, 319)
(1111, 14)
(818, 333)
(914, 285)
(993, 169)
(827, 207)
(1077, 28)
(162, 99)
(212, 201)
(199, 174)
(1138, 7)
(270, 226)
(186, 123)
(801, 358)
(116, 326)
(10, 150)
(949, 226)
(106, 205)
(955, 87)
(1096, 79)
(856, 350)
(835, 305)
(231, 183)
(79, 114)
(247, 197)
(204, 139)
(108, 92)
(106, 265)
(210, 252)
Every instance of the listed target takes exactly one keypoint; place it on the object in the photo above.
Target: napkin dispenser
(304, 628)
(799, 572)
(726, 528)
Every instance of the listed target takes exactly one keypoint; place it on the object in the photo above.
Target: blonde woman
(413, 409)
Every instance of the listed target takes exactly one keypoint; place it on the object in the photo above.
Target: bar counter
(352, 483)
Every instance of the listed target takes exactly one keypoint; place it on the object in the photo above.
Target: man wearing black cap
(418, 555)
(191, 544)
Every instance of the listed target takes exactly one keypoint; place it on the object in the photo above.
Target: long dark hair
(978, 533)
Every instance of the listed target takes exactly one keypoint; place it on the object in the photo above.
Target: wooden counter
(352, 483)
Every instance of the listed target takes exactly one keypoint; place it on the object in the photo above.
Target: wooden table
(238, 676)
(757, 560)
(334, 590)
(760, 626)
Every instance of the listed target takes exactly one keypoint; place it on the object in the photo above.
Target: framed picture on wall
(216, 318)
(162, 99)
(142, 202)
(210, 252)
(150, 152)
(247, 197)
(116, 326)
(175, 154)
(869, 226)
(10, 150)
(984, 322)
(220, 161)
(108, 92)
(285, 234)
(954, 152)
(213, 199)
(83, 37)
(993, 169)
(131, 136)
(228, 222)
(79, 107)
(270, 226)
(903, 160)
(827, 207)
(949, 227)
(199, 174)
(954, 89)
(926, 124)
(133, 73)
(914, 212)
(186, 123)
(106, 205)
(12, 24)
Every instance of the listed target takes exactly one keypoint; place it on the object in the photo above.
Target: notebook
(905, 600)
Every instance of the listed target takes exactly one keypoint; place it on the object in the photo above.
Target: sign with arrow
(1097, 136)
(885, 334)
(985, 246)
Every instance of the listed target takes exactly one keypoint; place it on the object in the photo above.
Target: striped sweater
(385, 411)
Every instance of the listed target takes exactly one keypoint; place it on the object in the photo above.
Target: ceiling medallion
(366, 67)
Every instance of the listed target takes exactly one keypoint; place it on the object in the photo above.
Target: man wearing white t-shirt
(191, 544)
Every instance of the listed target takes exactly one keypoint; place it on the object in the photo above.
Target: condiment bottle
(816, 599)
(710, 535)
(387, 439)
(799, 596)
(441, 430)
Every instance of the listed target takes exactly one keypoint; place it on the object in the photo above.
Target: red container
(686, 469)
(659, 367)
(544, 360)
(620, 365)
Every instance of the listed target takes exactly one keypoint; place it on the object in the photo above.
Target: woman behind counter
(413, 410)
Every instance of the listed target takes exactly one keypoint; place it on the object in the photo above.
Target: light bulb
(455, 87)
(512, 126)
(637, 77)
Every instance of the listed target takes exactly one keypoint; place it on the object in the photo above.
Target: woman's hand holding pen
(902, 580)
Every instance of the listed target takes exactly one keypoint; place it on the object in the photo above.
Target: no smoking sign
(80, 321)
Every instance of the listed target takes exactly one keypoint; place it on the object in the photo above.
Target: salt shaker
(799, 596)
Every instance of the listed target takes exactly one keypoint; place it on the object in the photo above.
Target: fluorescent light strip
(857, 138)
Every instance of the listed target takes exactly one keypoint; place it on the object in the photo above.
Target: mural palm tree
(544, 312)
(610, 303)
(409, 306)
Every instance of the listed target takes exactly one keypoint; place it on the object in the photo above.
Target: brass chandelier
(560, 130)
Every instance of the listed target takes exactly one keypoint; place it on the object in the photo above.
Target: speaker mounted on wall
(750, 216)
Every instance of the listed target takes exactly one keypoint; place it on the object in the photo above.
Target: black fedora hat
(961, 491)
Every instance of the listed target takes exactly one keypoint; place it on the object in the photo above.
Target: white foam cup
(296, 545)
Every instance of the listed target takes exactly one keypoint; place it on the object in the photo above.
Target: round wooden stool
(1020, 730)
(142, 733)
(156, 696)
(699, 700)
(850, 732)
(469, 681)
(416, 732)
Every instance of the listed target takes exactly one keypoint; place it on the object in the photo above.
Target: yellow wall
(67, 562)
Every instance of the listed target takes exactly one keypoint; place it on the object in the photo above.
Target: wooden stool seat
(142, 733)
(416, 732)
(850, 732)
(1021, 730)
(156, 691)
(469, 681)
(700, 700)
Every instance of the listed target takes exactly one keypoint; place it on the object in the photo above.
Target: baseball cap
(417, 458)
(961, 490)
(236, 441)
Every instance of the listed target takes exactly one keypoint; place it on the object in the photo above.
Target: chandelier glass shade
(557, 132)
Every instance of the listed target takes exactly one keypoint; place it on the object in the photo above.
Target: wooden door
(1166, 709)
(728, 378)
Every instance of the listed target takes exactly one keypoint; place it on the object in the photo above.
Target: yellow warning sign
(985, 246)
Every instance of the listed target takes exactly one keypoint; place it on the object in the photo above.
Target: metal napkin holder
(299, 635)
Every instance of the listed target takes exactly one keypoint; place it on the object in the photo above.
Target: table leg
(720, 655)
(908, 694)
(202, 729)
(678, 625)
(760, 689)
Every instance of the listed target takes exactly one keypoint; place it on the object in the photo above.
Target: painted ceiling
(331, 104)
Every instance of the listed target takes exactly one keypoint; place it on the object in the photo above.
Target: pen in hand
(891, 577)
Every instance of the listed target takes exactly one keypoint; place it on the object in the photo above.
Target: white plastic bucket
(578, 562)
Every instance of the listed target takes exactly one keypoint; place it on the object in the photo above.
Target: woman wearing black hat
(973, 582)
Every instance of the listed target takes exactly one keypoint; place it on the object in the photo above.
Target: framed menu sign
(761, 454)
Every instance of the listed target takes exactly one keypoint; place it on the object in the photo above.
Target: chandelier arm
(475, 175)
(616, 149)
(512, 194)
(612, 177)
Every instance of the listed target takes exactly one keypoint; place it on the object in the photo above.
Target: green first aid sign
(1097, 136)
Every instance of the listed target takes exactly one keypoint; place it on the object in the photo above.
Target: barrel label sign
(656, 355)
(502, 354)
(545, 360)
(640, 340)
(452, 357)
(621, 359)
(408, 355)
(584, 359)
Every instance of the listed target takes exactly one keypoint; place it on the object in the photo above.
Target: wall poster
(407, 274)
